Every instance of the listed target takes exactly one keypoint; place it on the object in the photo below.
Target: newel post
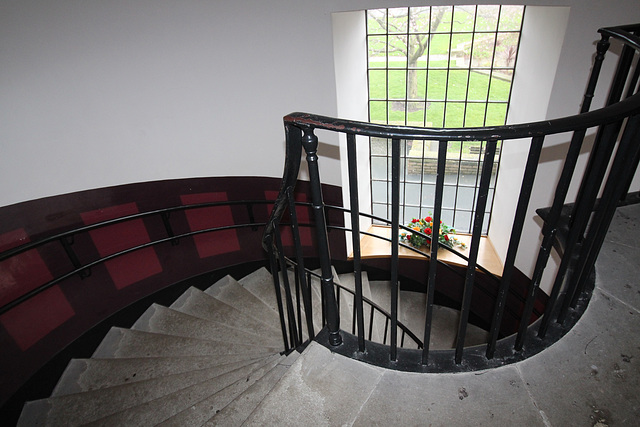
(310, 144)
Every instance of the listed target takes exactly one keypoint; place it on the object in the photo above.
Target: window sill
(372, 247)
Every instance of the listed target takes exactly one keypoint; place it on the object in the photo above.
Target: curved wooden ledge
(372, 247)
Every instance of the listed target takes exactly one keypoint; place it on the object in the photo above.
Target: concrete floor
(590, 377)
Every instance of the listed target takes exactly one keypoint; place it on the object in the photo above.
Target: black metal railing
(612, 162)
(81, 263)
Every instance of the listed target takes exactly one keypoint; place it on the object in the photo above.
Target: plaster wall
(96, 94)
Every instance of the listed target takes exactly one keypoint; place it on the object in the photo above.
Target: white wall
(99, 93)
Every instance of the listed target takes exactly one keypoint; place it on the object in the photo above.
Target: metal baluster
(395, 230)
(310, 144)
(514, 242)
(481, 204)
(297, 243)
(291, 317)
(276, 284)
(435, 235)
(355, 235)
(582, 213)
(549, 229)
(614, 189)
(615, 94)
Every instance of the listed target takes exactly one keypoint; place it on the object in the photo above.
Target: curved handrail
(171, 237)
(605, 115)
(617, 124)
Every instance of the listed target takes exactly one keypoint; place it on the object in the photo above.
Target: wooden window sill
(372, 247)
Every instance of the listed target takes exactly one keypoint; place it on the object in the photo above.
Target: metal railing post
(310, 144)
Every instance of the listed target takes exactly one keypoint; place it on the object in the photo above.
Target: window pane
(379, 146)
(478, 86)
(377, 51)
(449, 196)
(457, 87)
(380, 210)
(419, 19)
(379, 168)
(483, 46)
(496, 114)
(511, 18)
(398, 20)
(377, 84)
(416, 113)
(474, 116)
(463, 17)
(500, 86)
(377, 21)
(439, 50)
(398, 51)
(378, 111)
(417, 84)
(397, 84)
(435, 114)
(506, 50)
(447, 216)
(462, 223)
(410, 213)
(454, 115)
(441, 17)
(428, 195)
(487, 17)
(379, 191)
(460, 50)
(397, 112)
(437, 85)
(412, 194)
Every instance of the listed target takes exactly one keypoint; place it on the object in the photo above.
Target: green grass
(443, 91)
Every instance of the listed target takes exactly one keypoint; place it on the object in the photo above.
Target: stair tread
(203, 410)
(236, 412)
(195, 302)
(349, 282)
(167, 321)
(92, 374)
(229, 291)
(121, 342)
(80, 408)
(219, 390)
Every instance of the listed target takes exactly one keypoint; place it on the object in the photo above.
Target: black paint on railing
(616, 148)
(83, 269)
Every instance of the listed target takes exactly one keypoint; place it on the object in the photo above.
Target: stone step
(229, 291)
(196, 303)
(444, 322)
(218, 392)
(241, 408)
(203, 410)
(81, 408)
(93, 374)
(349, 282)
(164, 320)
(260, 284)
(320, 388)
(128, 343)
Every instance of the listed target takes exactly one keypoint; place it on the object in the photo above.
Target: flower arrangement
(425, 226)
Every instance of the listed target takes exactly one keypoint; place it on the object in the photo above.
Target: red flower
(427, 231)
(446, 237)
(414, 220)
(428, 219)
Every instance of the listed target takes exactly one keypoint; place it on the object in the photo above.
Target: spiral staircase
(188, 365)
(210, 358)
